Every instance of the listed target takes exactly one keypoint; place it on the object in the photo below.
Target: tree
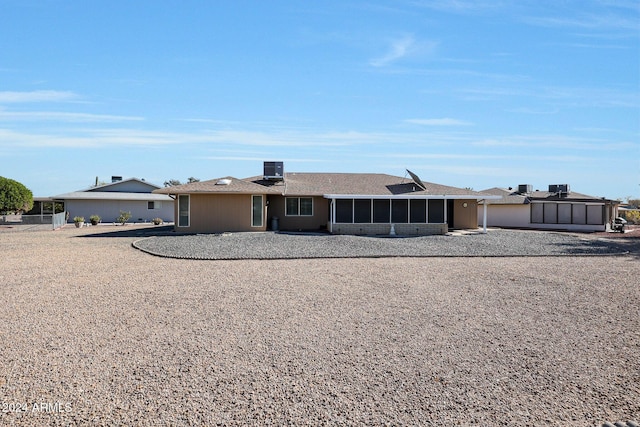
(173, 182)
(14, 196)
(634, 202)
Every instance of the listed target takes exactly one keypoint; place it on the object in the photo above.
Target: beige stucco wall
(519, 216)
(318, 221)
(465, 217)
(217, 213)
(516, 216)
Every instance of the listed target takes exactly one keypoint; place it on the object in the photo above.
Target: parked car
(618, 224)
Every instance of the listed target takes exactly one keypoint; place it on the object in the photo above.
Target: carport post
(484, 216)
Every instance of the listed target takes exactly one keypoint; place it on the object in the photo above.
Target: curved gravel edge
(258, 246)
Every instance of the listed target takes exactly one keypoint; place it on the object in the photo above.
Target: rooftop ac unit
(561, 189)
(525, 188)
(274, 171)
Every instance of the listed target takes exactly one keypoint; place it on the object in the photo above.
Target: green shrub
(124, 217)
(14, 197)
(632, 217)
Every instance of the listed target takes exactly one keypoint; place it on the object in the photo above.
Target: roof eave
(413, 196)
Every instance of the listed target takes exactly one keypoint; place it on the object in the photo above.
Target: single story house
(340, 203)
(556, 209)
(130, 195)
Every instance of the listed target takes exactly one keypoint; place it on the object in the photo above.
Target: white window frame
(298, 206)
(253, 196)
(188, 210)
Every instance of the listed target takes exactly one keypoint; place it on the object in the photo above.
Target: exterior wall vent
(274, 171)
(525, 188)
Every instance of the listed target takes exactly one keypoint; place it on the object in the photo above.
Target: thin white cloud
(605, 21)
(40, 116)
(502, 157)
(554, 142)
(460, 6)
(9, 97)
(261, 159)
(401, 48)
(439, 122)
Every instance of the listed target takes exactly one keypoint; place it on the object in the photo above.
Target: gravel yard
(96, 332)
(270, 245)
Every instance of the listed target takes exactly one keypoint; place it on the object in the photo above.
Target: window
(400, 211)
(550, 213)
(183, 210)
(153, 205)
(381, 211)
(579, 214)
(436, 211)
(564, 213)
(362, 211)
(292, 207)
(537, 213)
(256, 211)
(595, 214)
(344, 210)
(299, 206)
(418, 211)
(567, 213)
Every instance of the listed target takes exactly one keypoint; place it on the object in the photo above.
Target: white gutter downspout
(484, 217)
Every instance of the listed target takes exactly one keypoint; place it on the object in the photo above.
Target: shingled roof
(508, 197)
(512, 197)
(370, 184)
(228, 184)
(321, 184)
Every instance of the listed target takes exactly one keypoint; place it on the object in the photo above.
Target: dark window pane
(399, 211)
(537, 213)
(418, 211)
(595, 214)
(550, 213)
(362, 210)
(256, 211)
(381, 211)
(344, 210)
(292, 206)
(183, 211)
(306, 206)
(436, 211)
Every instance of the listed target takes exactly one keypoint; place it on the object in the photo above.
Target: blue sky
(466, 93)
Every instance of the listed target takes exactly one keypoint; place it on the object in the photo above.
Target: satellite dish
(416, 179)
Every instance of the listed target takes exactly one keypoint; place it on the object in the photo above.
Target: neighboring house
(556, 209)
(108, 200)
(341, 203)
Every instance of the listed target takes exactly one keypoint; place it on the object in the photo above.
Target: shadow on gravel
(602, 246)
(124, 231)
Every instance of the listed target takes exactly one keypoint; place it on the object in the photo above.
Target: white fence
(56, 221)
